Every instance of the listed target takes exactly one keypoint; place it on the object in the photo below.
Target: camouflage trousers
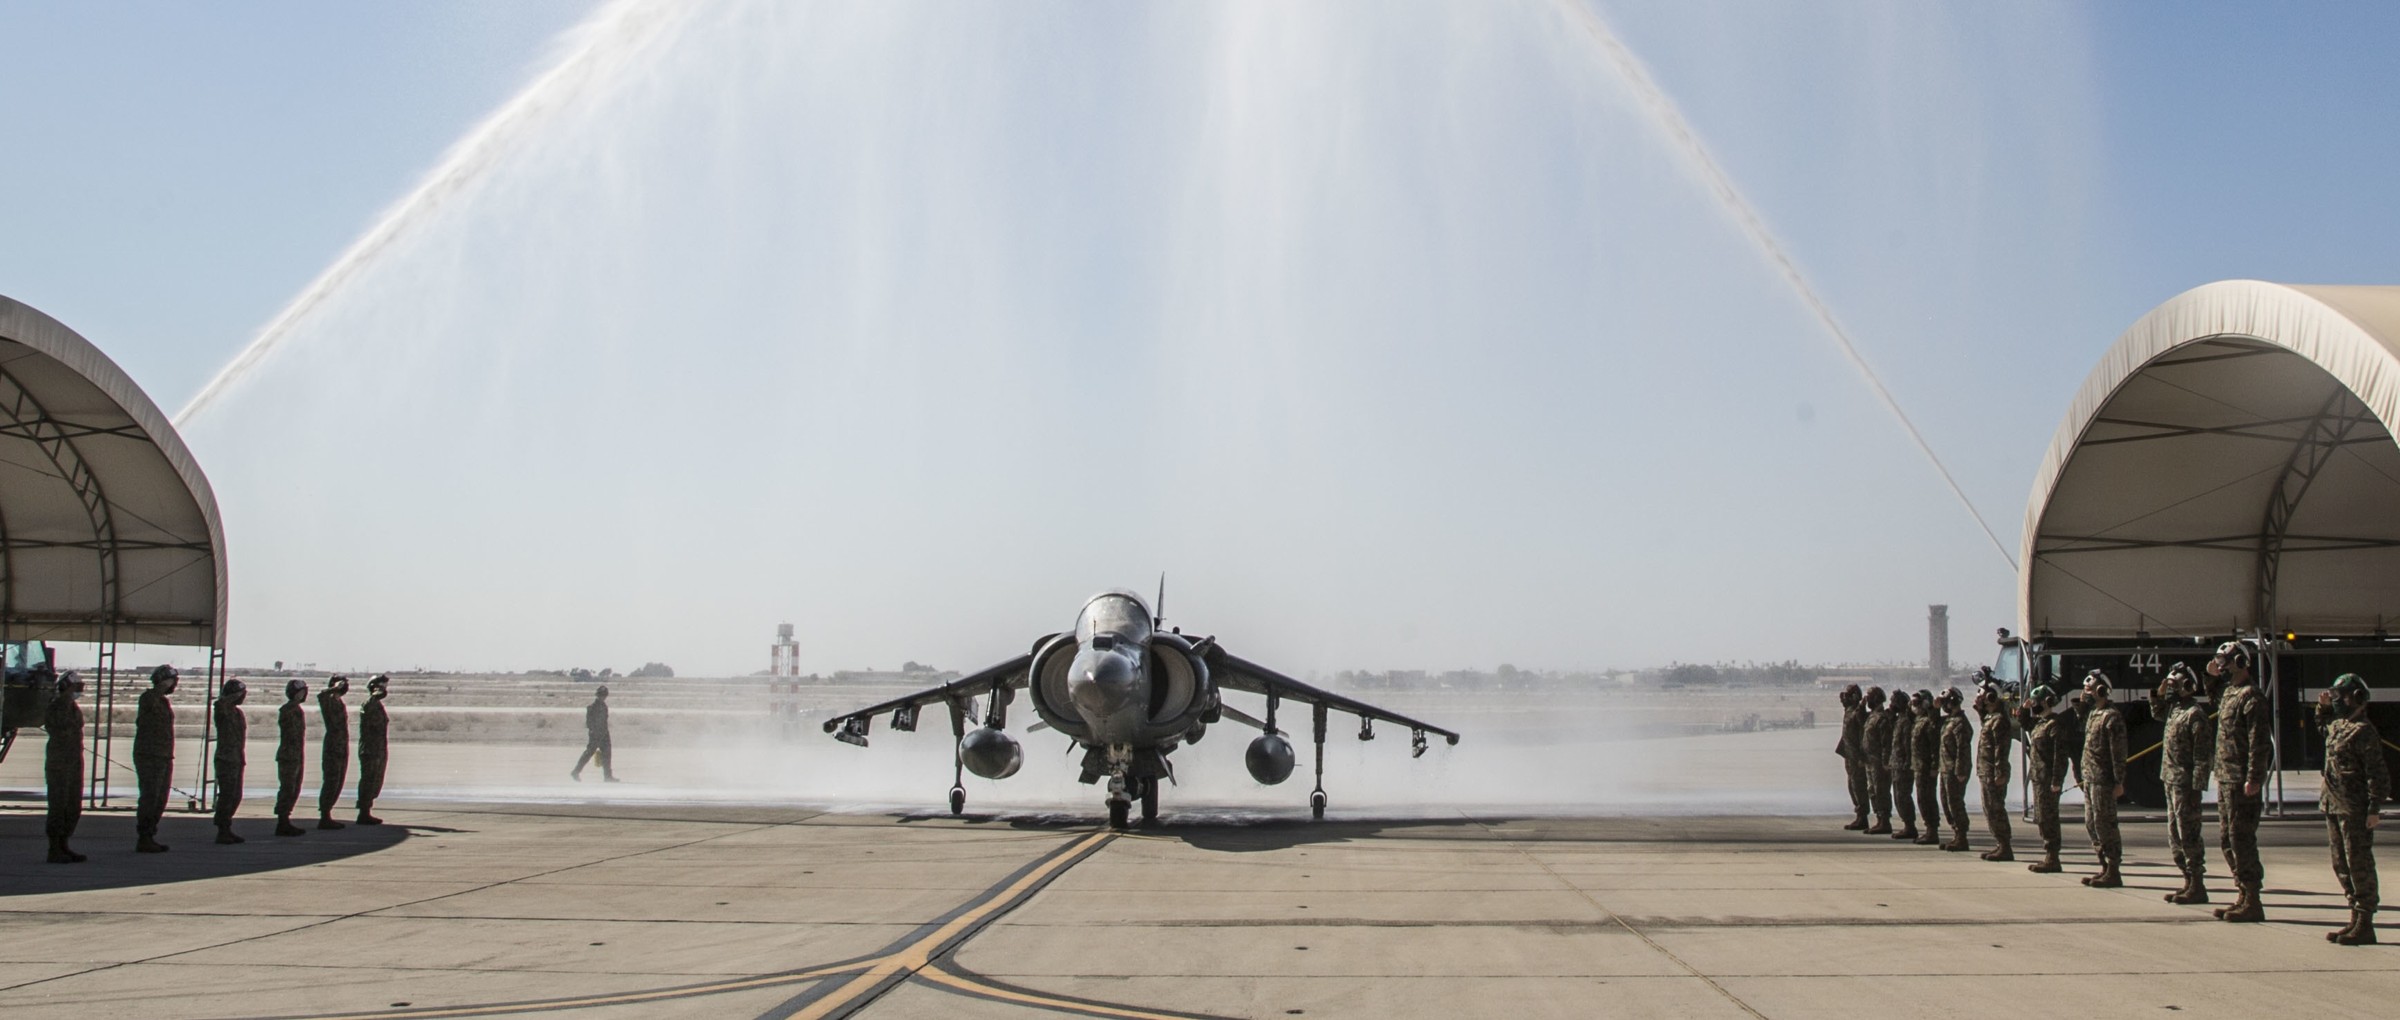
(1954, 804)
(1995, 806)
(287, 787)
(2183, 830)
(66, 800)
(2353, 847)
(2100, 822)
(1904, 796)
(336, 767)
(1879, 788)
(1855, 771)
(150, 802)
(2237, 830)
(2045, 816)
(229, 791)
(370, 781)
(1929, 798)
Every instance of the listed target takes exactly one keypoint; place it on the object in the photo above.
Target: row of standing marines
(154, 756)
(1911, 756)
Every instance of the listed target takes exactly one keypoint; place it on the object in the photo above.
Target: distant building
(1937, 640)
(785, 653)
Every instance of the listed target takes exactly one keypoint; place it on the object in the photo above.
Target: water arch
(2229, 466)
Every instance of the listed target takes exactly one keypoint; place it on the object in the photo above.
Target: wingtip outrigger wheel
(958, 801)
(1316, 805)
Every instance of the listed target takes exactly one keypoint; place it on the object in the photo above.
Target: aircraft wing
(1243, 675)
(851, 727)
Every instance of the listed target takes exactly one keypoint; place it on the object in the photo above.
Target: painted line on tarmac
(949, 976)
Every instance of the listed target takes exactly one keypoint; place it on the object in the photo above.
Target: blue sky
(1392, 331)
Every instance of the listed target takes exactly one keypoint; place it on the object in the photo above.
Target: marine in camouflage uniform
(1903, 756)
(2245, 753)
(62, 768)
(374, 745)
(595, 737)
(2183, 769)
(1852, 746)
(2352, 796)
(1957, 761)
(1992, 749)
(1925, 759)
(233, 729)
(153, 757)
(291, 754)
(2047, 770)
(2103, 779)
(334, 749)
(1879, 760)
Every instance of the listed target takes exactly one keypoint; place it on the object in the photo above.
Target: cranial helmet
(1921, 700)
(2352, 689)
(2042, 699)
(295, 688)
(1949, 700)
(234, 687)
(1874, 697)
(381, 683)
(163, 674)
(2096, 683)
(601, 691)
(70, 683)
(1850, 695)
(2238, 652)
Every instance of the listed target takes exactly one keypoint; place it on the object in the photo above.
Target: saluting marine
(62, 767)
(2047, 770)
(291, 752)
(2103, 778)
(374, 747)
(1992, 748)
(1879, 761)
(2352, 796)
(1852, 746)
(2245, 751)
(1903, 755)
(336, 750)
(1956, 764)
(1925, 749)
(153, 757)
(232, 730)
(2184, 749)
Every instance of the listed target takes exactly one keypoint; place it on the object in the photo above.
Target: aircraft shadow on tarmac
(1223, 834)
(106, 838)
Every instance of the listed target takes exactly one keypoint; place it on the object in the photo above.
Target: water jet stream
(1686, 140)
(600, 46)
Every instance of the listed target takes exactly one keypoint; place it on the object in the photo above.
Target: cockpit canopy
(1120, 613)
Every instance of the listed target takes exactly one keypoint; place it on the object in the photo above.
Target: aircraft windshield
(1115, 614)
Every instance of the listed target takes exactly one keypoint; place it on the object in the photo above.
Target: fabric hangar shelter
(109, 534)
(2227, 470)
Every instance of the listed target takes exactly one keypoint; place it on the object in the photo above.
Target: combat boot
(225, 836)
(146, 845)
(1958, 841)
(2108, 878)
(284, 827)
(2362, 928)
(1909, 833)
(1882, 826)
(2194, 890)
(2338, 934)
(327, 822)
(2246, 907)
(2048, 865)
(59, 854)
(1856, 824)
(1931, 836)
(367, 819)
(2000, 853)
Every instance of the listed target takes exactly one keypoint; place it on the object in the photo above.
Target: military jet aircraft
(1129, 692)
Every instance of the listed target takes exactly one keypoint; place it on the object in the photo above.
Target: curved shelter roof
(108, 530)
(2229, 465)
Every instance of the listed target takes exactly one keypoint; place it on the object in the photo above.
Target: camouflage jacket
(1853, 744)
(2049, 765)
(1958, 747)
(1992, 745)
(1925, 744)
(233, 728)
(2184, 749)
(374, 729)
(154, 726)
(2355, 778)
(336, 714)
(595, 719)
(291, 732)
(65, 723)
(2104, 751)
(2244, 750)
(1902, 755)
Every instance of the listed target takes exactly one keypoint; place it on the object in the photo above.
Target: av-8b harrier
(1129, 693)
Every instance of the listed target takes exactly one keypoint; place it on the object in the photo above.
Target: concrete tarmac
(721, 910)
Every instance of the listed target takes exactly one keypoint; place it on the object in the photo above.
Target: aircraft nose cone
(1101, 686)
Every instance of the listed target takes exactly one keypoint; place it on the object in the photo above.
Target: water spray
(1686, 141)
(595, 49)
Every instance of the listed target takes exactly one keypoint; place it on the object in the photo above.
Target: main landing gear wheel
(958, 800)
(1150, 800)
(1316, 805)
(1117, 812)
